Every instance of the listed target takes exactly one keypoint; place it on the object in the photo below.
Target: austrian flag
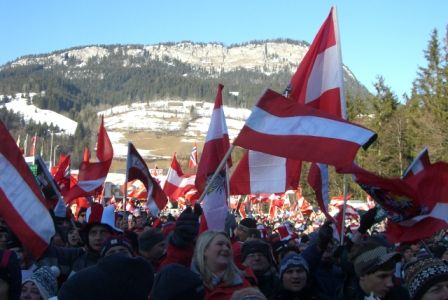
(293, 130)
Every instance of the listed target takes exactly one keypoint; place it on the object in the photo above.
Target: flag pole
(218, 169)
(344, 115)
(344, 209)
(125, 196)
(228, 185)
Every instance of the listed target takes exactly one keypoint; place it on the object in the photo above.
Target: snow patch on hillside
(21, 105)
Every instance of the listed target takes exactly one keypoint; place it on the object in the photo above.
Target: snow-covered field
(189, 119)
(19, 104)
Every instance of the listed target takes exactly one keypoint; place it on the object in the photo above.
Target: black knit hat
(248, 223)
(188, 285)
(423, 274)
(148, 239)
(114, 242)
(255, 246)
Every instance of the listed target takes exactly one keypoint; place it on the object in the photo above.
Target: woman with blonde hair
(213, 260)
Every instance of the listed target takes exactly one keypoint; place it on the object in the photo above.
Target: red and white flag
(432, 195)
(62, 173)
(259, 172)
(216, 146)
(136, 168)
(33, 146)
(193, 162)
(92, 175)
(318, 180)
(22, 204)
(420, 162)
(293, 130)
(177, 183)
(318, 81)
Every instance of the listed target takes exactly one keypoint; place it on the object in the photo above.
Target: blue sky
(381, 37)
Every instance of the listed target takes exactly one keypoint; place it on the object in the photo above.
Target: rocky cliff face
(266, 57)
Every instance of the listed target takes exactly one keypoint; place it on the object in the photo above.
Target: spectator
(188, 284)
(114, 277)
(213, 260)
(374, 267)
(42, 285)
(294, 279)
(152, 246)
(99, 227)
(257, 255)
(427, 279)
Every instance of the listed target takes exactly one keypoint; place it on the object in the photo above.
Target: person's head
(407, 252)
(246, 228)
(152, 244)
(73, 238)
(213, 255)
(81, 218)
(256, 254)
(131, 221)
(41, 285)
(100, 226)
(427, 279)
(374, 266)
(188, 284)
(116, 246)
(293, 273)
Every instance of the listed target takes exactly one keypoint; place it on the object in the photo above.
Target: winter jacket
(224, 291)
(86, 260)
(115, 277)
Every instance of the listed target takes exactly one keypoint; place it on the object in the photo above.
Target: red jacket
(225, 291)
(175, 255)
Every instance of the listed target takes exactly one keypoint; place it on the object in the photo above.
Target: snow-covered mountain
(267, 57)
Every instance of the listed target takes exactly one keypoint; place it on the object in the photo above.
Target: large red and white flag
(92, 175)
(416, 207)
(432, 195)
(136, 168)
(216, 146)
(193, 162)
(22, 204)
(177, 183)
(319, 81)
(420, 162)
(293, 130)
(259, 172)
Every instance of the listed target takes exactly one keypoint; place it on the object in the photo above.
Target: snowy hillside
(19, 104)
(190, 119)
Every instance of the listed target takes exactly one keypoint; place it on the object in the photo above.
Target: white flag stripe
(266, 123)
(91, 185)
(325, 184)
(181, 182)
(25, 202)
(325, 72)
(218, 127)
(439, 211)
(267, 172)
